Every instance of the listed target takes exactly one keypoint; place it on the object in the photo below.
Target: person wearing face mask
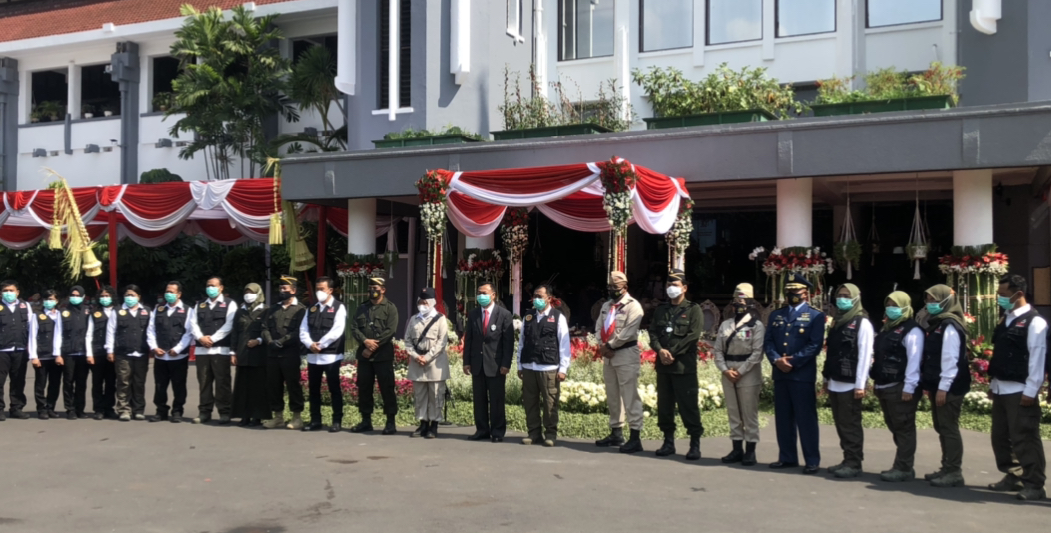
(847, 362)
(618, 328)
(249, 354)
(211, 321)
(283, 356)
(426, 337)
(674, 332)
(795, 335)
(946, 376)
(321, 332)
(543, 360)
(896, 373)
(1017, 372)
(103, 371)
(374, 326)
(738, 351)
(128, 349)
(45, 354)
(488, 351)
(169, 336)
(75, 320)
(16, 321)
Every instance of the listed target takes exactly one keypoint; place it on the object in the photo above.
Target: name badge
(492, 327)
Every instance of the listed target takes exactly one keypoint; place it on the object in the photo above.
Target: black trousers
(370, 373)
(48, 380)
(75, 383)
(331, 374)
(213, 376)
(14, 365)
(281, 373)
(103, 385)
(795, 408)
(172, 373)
(681, 390)
(490, 398)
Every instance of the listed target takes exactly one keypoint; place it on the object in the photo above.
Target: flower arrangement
(479, 266)
(812, 263)
(975, 272)
(618, 178)
(978, 402)
(432, 189)
(678, 237)
(990, 263)
(348, 384)
(514, 230)
(362, 266)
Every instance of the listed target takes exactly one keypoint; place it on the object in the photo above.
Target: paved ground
(138, 477)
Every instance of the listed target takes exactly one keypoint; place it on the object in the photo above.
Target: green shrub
(671, 94)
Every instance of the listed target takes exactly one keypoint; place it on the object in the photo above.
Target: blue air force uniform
(796, 331)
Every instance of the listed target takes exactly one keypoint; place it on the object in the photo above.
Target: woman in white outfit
(426, 337)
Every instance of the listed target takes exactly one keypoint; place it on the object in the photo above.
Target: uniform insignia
(492, 327)
(122, 312)
(21, 306)
(65, 314)
(550, 319)
(222, 304)
(143, 312)
(852, 325)
(899, 330)
(939, 330)
(98, 314)
(683, 315)
(804, 316)
(160, 307)
(179, 310)
(203, 305)
(528, 318)
(668, 329)
(43, 316)
(86, 312)
(331, 310)
(801, 330)
(313, 309)
(1021, 323)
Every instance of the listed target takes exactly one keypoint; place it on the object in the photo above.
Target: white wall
(80, 168)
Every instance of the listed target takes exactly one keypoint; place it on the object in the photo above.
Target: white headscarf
(432, 309)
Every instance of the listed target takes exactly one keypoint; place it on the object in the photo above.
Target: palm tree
(313, 83)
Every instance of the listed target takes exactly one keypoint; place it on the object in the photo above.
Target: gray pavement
(90, 476)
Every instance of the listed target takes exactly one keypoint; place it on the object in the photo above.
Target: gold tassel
(276, 231)
(78, 249)
(299, 254)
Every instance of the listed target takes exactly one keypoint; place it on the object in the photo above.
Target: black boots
(634, 443)
(668, 448)
(390, 428)
(736, 455)
(615, 438)
(749, 455)
(432, 431)
(422, 430)
(695, 448)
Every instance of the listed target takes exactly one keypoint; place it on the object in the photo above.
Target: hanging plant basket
(919, 243)
(848, 250)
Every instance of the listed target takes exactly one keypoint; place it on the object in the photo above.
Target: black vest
(209, 320)
(99, 321)
(1010, 360)
(320, 323)
(540, 342)
(841, 363)
(74, 329)
(14, 326)
(45, 337)
(131, 331)
(931, 365)
(889, 357)
(169, 330)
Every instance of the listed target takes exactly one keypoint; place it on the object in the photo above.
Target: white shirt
(220, 334)
(950, 357)
(865, 337)
(563, 345)
(90, 336)
(1036, 341)
(31, 325)
(914, 354)
(339, 323)
(111, 328)
(184, 342)
(56, 335)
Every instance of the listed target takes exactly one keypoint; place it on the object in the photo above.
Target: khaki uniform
(428, 380)
(743, 352)
(621, 372)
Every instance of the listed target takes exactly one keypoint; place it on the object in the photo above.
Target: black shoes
(42, 415)
(781, 466)
(313, 426)
(20, 415)
(159, 418)
(3, 416)
(420, 431)
(254, 423)
(390, 428)
(749, 454)
(634, 443)
(244, 422)
(71, 415)
(694, 452)
(496, 439)
(736, 455)
(479, 435)
(336, 427)
(96, 416)
(361, 427)
(175, 418)
(811, 469)
(668, 448)
(615, 438)
(432, 431)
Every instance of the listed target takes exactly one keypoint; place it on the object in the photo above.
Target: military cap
(616, 278)
(797, 281)
(676, 274)
(427, 294)
(378, 281)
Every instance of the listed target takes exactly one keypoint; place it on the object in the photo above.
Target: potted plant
(107, 112)
(52, 109)
(88, 110)
(724, 97)
(535, 116)
(35, 115)
(162, 101)
(890, 90)
(411, 137)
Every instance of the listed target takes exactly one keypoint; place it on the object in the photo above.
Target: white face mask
(424, 309)
(322, 296)
(251, 297)
(673, 292)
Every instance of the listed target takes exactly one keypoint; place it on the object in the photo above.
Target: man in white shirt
(543, 360)
(321, 332)
(15, 321)
(1017, 372)
(211, 322)
(169, 336)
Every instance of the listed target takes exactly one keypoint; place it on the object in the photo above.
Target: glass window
(804, 17)
(404, 54)
(514, 18)
(731, 21)
(893, 12)
(585, 29)
(666, 24)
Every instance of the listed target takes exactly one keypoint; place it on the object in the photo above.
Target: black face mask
(285, 296)
(740, 309)
(795, 298)
(614, 293)
(374, 295)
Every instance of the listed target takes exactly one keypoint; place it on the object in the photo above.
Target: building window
(894, 12)
(164, 71)
(514, 20)
(50, 95)
(732, 21)
(805, 17)
(306, 43)
(404, 54)
(665, 24)
(98, 91)
(585, 29)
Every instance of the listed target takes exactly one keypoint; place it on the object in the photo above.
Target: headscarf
(433, 307)
(844, 317)
(951, 309)
(256, 289)
(904, 301)
(79, 289)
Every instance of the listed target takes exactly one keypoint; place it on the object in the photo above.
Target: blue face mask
(484, 300)
(50, 304)
(212, 292)
(105, 301)
(131, 301)
(171, 297)
(894, 313)
(76, 300)
(10, 297)
(1005, 302)
(934, 309)
(539, 304)
(845, 304)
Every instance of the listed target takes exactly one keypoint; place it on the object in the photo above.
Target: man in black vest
(321, 332)
(75, 319)
(211, 322)
(15, 321)
(488, 351)
(374, 325)
(1017, 372)
(283, 349)
(169, 336)
(128, 349)
(103, 372)
(543, 360)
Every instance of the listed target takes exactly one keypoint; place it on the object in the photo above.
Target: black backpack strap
(426, 329)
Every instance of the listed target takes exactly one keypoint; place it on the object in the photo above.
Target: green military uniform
(677, 328)
(379, 322)
(284, 357)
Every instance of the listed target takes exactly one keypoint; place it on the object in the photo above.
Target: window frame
(561, 36)
(777, 21)
(642, 29)
(404, 63)
(708, 26)
(514, 31)
(941, 17)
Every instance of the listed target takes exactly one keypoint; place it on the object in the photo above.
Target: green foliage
(535, 111)
(847, 252)
(36, 268)
(313, 83)
(671, 94)
(889, 84)
(51, 110)
(410, 133)
(162, 101)
(159, 175)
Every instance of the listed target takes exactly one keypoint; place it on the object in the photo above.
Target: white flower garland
(678, 237)
(618, 209)
(515, 238)
(433, 217)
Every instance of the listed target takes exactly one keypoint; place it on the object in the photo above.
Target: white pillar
(795, 212)
(346, 42)
(73, 91)
(485, 243)
(972, 211)
(361, 226)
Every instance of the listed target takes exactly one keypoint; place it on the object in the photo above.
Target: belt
(737, 358)
(630, 343)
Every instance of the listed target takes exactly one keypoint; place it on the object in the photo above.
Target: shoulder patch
(98, 314)
(203, 305)
(313, 309)
(122, 312)
(43, 316)
(65, 314)
(528, 318)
